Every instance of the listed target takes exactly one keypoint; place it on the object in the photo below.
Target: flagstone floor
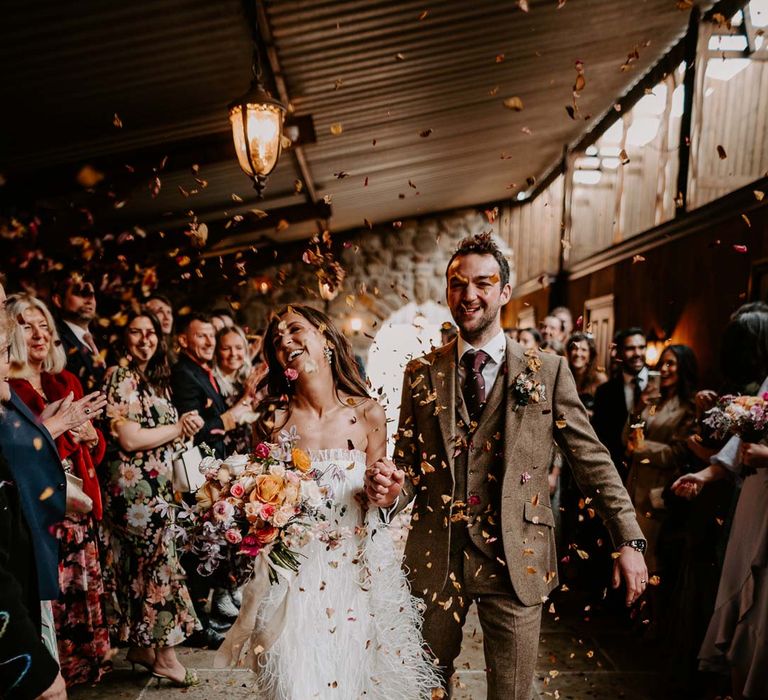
(595, 660)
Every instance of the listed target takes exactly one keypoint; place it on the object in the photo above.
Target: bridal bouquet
(263, 504)
(745, 416)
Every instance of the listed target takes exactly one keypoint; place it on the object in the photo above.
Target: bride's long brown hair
(346, 375)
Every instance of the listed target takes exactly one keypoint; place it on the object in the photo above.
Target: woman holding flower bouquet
(346, 620)
(153, 609)
(736, 637)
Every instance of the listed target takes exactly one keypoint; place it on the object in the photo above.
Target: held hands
(190, 423)
(383, 483)
(688, 486)
(630, 566)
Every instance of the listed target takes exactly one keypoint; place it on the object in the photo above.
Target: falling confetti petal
(514, 103)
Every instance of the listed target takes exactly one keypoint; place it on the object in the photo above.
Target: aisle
(594, 660)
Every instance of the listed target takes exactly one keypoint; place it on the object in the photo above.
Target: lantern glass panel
(264, 126)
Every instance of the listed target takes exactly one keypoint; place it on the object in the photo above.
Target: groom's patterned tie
(474, 384)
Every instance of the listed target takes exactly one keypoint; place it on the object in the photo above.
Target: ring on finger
(643, 581)
(87, 411)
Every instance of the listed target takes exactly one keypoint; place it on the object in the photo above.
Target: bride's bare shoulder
(366, 409)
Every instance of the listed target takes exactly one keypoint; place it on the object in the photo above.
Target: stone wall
(386, 268)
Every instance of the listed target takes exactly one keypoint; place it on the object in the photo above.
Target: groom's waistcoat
(478, 474)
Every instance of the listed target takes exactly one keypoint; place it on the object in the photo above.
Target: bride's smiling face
(298, 342)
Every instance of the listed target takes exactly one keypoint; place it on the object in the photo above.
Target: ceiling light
(257, 119)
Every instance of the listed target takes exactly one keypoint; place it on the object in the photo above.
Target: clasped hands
(383, 483)
(190, 423)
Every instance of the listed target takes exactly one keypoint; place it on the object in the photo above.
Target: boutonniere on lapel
(525, 388)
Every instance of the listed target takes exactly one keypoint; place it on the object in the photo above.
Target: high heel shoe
(147, 665)
(190, 679)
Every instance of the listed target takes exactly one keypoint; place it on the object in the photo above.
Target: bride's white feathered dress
(346, 626)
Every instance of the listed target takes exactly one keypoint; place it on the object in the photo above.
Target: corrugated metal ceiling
(386, 71)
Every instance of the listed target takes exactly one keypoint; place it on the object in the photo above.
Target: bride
(347, 626)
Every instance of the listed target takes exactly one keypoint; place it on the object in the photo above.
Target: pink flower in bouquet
(223, 511)
(291, 374)
(267, 511)
(233, 536)
(237, 490)
(253, 511)
(250, 546)
(262, 450)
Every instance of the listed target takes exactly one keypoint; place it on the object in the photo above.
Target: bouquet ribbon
(245, 642)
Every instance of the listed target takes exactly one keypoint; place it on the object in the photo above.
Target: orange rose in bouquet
(268, 489)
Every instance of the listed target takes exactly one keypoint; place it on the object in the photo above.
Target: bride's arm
(376, 431)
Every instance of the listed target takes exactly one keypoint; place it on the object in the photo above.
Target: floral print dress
(150, 601)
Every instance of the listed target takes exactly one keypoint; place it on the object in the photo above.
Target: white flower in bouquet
(311, 493)
(297, 536)
(277, 470)
(209, 466)
(282, 515)
(224, 476)
(236, 464)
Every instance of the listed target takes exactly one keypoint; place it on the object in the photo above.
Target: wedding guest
(27, 669)
(659, 453)
(582, 361)
(529, 338)
(551, 329)
(153, 609)
(238, 381)
(160, 305)
(565, 315)
(221, 318)
(195, 388)
(737, 637)
(39, 379)
(74, 299)
(617, 398)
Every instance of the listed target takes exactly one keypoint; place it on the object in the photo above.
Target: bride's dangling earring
(328, 353)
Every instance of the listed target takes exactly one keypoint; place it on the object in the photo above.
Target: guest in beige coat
(477, 422)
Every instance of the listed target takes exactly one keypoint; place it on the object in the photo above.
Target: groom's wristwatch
(639, 545)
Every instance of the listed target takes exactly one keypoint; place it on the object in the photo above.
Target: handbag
(78, 501)
(186, 469)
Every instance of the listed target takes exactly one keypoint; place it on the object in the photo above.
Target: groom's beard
(476, 328)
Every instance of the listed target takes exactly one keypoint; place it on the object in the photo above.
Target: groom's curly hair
(482, 244)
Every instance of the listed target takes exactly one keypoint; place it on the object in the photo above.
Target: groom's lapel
(516, 363)
(442, 374)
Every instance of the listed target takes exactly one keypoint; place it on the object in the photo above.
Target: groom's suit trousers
(510, 629)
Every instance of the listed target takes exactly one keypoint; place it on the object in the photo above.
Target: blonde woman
(238, 381)
(39, 379)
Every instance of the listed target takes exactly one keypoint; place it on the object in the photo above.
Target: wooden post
(691, 46)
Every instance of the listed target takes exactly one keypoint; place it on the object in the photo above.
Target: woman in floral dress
(39, 378)
(153, 610)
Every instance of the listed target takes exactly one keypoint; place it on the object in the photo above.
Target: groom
(478, 419)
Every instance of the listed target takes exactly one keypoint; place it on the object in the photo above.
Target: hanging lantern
(257, 129)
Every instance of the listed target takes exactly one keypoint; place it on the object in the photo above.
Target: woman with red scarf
(39, 379)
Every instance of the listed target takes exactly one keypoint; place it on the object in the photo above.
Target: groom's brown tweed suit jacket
(426, 443)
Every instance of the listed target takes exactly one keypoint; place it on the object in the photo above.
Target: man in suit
(478, 418)
(195, 389)
(616, 399)
(74, 298)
